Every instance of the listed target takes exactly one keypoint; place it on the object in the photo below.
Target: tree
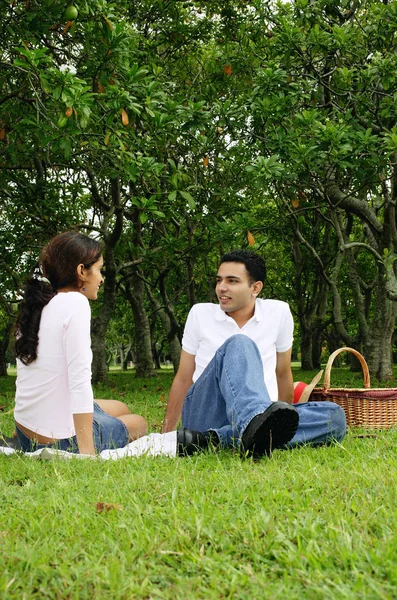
(323, 121)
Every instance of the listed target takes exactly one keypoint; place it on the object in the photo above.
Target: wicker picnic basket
(374, 408)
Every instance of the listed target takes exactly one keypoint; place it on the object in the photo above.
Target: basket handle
(364, 366)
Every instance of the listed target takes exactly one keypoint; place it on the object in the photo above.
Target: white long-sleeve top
(57, 384)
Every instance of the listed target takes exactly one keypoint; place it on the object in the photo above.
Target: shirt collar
(257, 316)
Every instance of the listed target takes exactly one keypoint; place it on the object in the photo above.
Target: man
(234, 381)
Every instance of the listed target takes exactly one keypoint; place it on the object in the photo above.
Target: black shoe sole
(272, 429)
(190, 441)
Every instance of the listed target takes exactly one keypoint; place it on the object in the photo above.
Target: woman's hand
(84, 433)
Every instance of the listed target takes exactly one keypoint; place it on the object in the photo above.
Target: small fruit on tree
(70, 13)
(124, 117)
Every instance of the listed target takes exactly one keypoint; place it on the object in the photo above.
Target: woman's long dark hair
(58, 263)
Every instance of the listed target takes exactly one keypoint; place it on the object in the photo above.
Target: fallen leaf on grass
(107, 506)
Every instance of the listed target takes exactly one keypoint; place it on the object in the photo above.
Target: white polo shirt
(271, 328)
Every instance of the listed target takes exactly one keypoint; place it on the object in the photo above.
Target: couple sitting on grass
(234, 385)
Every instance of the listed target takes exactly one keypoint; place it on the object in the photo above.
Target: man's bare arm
(182, 382)
(285, 381)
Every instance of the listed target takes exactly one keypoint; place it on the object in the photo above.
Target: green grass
(308, 523)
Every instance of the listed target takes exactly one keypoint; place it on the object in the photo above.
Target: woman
(54, 404)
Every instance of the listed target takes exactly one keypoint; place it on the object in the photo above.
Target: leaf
(67, 26)
(20, 63)
(69, 111)
(62, 121)
(206, 161)
(251, 239)
(295, 202)
(172, 163)
(227, 69)
(66, 146)
(108, 23)
(124, 117)
(172, 196)
(107, 137)
(107, 506)
(189, 198)
(2, 133)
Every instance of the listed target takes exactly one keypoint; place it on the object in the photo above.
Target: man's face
(233, 287)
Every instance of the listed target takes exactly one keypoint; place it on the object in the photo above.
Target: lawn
(308, 523)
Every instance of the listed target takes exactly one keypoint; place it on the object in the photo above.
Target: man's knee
(238, 340)
(337, 419)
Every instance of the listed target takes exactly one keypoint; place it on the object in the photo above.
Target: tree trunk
(377, 348)
(4, 342)
(191, 288)
(3, 363)
(170, 325)
(334, 342)
(156, 357)
(306, 350)
(311, 293)
(316, 349)
(100, 322)
(135, 294)
(175, 352)
(98, 344)
(123, 357)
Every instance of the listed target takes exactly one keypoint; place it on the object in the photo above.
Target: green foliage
(212, 120)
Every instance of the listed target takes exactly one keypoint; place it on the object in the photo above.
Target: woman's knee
(136, 425)
(115, 408)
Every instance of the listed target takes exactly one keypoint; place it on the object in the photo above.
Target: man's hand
(285, 382)
(180, 386)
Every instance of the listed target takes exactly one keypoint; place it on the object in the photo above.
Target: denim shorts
(109, 432)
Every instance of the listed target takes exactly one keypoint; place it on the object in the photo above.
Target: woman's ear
(80, 269)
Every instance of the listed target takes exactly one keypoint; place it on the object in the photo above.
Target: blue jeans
(109, 432)
(231, 391)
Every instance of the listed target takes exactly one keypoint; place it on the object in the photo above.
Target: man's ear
(257, 287)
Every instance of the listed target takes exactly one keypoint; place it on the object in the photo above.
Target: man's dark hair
(254, 264)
